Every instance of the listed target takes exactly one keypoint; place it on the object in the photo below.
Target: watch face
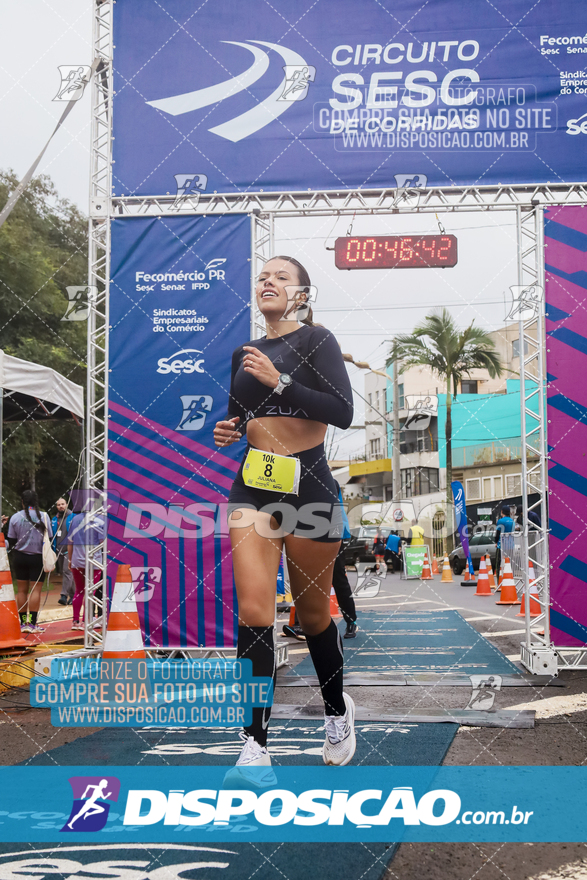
(285, 379)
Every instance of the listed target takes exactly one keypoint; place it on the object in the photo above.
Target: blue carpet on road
(290, 743)
(181, 861)
(414, 642)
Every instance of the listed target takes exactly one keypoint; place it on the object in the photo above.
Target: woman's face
(271, 290)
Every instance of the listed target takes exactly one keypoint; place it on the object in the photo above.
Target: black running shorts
(27, 566)
(314, 513)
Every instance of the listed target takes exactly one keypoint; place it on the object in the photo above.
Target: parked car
(479, 545)
(359, 548)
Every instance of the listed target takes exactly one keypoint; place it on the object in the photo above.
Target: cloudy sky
(363, 308)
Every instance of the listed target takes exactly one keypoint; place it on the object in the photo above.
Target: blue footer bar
(312, 804)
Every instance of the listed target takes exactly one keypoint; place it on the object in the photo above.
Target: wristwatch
(284, 380)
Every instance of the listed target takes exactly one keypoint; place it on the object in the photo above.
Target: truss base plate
(539, 661)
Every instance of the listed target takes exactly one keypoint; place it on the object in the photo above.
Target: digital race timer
(395, 251)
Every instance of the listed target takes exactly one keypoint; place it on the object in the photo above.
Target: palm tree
(437, 343)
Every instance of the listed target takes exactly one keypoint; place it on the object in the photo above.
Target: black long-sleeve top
(321, 389)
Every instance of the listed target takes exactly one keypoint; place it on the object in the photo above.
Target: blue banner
(179, 306)
(458, 494)
(306, 804)
(232, 97)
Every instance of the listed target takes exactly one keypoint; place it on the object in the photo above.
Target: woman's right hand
(225, 433)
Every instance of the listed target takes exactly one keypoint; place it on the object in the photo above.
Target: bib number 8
(268, 472)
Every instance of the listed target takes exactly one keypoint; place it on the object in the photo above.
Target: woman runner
(286, 388)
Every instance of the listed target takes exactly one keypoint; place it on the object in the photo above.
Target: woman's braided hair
(31, 499)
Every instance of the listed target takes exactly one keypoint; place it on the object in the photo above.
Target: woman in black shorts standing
(286, 388)
(25, 541)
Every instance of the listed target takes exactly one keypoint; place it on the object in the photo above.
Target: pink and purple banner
(566, 360)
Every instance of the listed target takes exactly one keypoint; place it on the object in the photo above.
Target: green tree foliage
(43, 250)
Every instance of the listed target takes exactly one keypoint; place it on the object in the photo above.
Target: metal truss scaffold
(360, 201)
(96, 481)
(536, 652)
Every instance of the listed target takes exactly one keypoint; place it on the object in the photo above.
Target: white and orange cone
(123, 634)
(426, 573)
(509, 595)
(446, 572)
(489, 571)
(483, 588)
(469, 579)
(535, 609)
(10, 634)
(334, 609)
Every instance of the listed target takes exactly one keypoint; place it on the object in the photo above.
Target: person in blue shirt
(504, 525)
(60, 525)
(392, 547)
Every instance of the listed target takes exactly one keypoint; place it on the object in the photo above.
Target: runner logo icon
(195, 409)
(90, 802)
(298, 75)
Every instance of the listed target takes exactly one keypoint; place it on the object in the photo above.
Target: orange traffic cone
(446, 572)
(10, 634)
(504, 560)
(535, 609)
(123, 635)
(334, 609)
(435, 566)
(426, 573)
(483, 588)
(509, 595)
(469, 579)
(489, 571)
(4, 564)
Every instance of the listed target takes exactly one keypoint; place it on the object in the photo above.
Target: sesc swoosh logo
(294, 86)
(577, 126)
(185, 361)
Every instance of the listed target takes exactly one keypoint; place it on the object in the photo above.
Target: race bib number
(275, 473)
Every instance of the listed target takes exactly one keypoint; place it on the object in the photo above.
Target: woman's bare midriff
(285, 436)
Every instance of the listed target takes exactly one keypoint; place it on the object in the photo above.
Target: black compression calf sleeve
(327, 657)
(255, 643)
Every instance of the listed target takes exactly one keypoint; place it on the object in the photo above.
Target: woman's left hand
(258, 365)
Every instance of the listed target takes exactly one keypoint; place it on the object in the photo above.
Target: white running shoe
(340, 743)
(252, 755)
(253, 768)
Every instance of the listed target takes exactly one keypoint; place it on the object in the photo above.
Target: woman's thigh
(255, 559)
(310, 565)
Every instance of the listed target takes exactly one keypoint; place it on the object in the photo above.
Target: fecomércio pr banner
(341, 94)
(179, 306)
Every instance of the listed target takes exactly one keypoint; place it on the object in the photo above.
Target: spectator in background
(26, 531)
(534, 520)
(84, 535)
(60, 525)
(504, 526)
(393, 547)
(379, 553)
(415, 535)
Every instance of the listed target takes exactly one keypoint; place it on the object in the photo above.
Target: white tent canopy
(42, 383)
